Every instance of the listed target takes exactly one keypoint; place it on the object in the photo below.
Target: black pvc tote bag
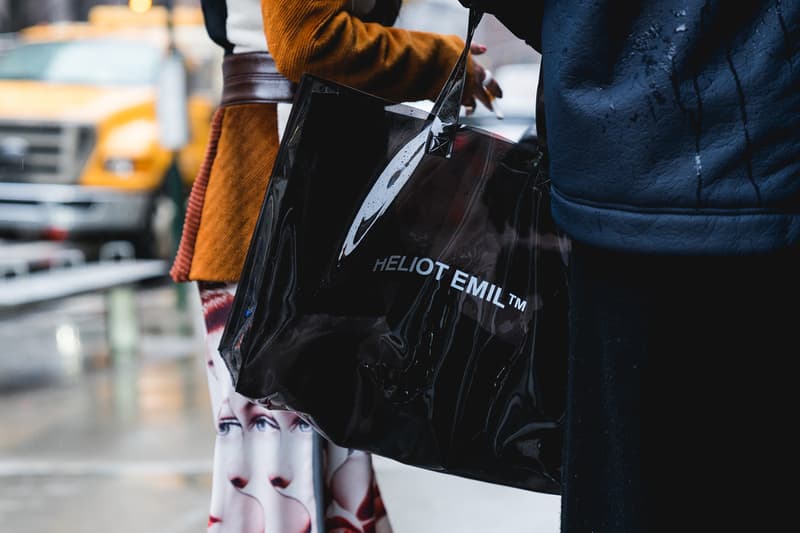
(405, 288)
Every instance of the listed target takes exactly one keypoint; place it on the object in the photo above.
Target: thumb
(477, 49)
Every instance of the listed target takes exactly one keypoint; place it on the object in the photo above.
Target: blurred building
(18, 14)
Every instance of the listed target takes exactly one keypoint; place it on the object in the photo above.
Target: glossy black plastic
(405, 303)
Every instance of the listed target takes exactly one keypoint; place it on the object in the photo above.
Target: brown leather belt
(252, 77)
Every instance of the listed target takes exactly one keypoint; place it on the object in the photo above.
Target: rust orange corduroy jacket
(316, 36)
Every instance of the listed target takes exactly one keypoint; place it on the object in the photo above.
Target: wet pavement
(105, 426)
(93, 440)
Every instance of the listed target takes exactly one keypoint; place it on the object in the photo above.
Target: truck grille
(33, 152)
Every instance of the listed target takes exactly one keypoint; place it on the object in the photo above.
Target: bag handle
(447, 107)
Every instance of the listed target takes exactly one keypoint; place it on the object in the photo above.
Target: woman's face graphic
(355, 507)
(263, 453)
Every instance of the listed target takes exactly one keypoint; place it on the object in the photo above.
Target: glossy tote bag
(405, 288)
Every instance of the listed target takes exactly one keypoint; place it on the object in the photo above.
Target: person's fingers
(493, 88)
(489, 90)
(484, 79)
(485, 98)
(477, 94)
(469, 105)
(483, 87)
(490, 84)
(477, 49)
(478, 73)
(470, 90)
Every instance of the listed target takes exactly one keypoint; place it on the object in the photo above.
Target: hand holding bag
(405, 289)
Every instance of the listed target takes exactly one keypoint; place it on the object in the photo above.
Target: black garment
(681, 397)
(673, 125)
(673, 131)
(215, 16)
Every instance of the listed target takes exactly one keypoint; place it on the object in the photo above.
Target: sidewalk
(419, 501)
(91, 447)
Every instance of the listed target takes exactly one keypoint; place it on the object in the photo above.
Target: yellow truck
(80, 150)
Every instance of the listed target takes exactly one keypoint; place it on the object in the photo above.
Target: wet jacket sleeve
(522, 17)
(322, 38)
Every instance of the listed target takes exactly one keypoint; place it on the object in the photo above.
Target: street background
(95, 442)
(105, 422)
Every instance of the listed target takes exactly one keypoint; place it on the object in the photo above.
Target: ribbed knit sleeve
(322, 38)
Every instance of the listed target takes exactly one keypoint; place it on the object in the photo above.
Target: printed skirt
(272, 473)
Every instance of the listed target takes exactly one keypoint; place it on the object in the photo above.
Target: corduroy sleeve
(322, 38)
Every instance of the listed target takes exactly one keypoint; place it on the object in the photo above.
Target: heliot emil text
(457, 279)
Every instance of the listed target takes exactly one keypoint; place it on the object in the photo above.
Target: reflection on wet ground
(96, 440)
(105, 427)
(77, 504)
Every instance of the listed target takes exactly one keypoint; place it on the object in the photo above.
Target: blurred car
(80, 156)
(7, 41)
